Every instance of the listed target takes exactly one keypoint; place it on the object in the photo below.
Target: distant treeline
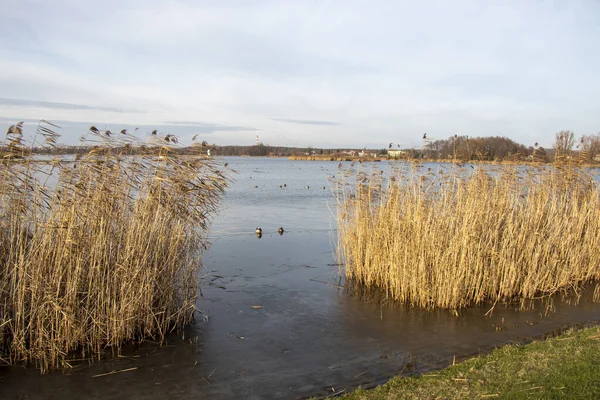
(260, 150)
(494, 148)
(281, 151)
(465, 148)
(479, 148)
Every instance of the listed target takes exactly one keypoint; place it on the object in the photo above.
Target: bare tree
(589, 146)
(563, 144)
(539, 154)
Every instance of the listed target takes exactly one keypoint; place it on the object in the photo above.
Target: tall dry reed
(462, 238)
(101, 250)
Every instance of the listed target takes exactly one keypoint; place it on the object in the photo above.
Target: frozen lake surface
(278, 325)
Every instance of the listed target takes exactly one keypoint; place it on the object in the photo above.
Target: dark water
(278, 325)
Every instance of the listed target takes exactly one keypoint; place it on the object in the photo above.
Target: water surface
(276, 324)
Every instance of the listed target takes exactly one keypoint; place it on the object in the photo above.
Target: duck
(280, 230)
(258, 231)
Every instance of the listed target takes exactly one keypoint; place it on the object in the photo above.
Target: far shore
(339, 158)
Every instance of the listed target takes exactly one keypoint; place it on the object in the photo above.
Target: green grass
(564, 367)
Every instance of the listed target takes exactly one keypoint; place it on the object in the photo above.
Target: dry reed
(453, 240)
(100, 250)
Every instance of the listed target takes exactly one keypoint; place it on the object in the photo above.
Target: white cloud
(384, 71)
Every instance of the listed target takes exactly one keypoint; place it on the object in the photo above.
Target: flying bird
(390, 146)
(124, 131)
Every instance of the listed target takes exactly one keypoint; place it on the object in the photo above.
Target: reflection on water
(569, 296)
(275, 322)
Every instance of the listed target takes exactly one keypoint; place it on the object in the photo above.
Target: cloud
(73, 130)
(209, 126)
(305, 121)
(61, 106)
(355, 73)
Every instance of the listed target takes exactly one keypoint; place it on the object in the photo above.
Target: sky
(303, 73)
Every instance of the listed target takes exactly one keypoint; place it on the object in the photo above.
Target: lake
(275, 322)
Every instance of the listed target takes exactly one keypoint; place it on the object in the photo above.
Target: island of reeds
(456, 237)
(101, 248)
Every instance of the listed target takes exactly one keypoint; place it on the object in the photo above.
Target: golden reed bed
(100, 250)
(454, 239)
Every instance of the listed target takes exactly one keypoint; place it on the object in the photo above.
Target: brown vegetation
(100, 250)
(563, 145)
(476, 148)
(457, 239)
(589, 148)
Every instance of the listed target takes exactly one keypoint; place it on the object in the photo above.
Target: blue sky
(304, 73)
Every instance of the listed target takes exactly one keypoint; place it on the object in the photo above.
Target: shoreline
(561, 363)
(431, 160)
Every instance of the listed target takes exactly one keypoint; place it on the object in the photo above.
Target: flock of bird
(259, 231)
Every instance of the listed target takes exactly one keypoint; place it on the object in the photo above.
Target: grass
(102, 250)
(565, 367)
(454, 239)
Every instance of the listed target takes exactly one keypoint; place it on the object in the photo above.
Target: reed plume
(436, 240)
(101, 249)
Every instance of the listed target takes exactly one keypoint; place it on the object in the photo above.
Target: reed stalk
(451, 240)
(100, 250)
